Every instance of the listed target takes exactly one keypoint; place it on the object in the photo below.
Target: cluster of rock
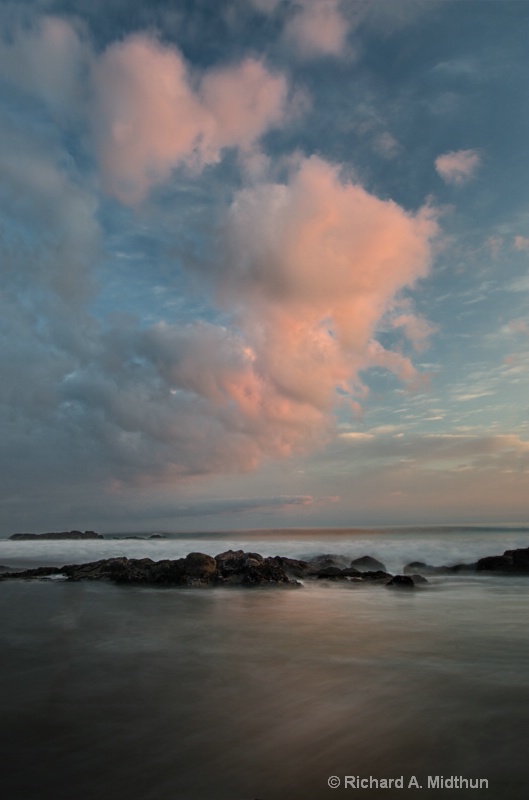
(233, 567)
(238, 568)
(512, 562)
(57, 535)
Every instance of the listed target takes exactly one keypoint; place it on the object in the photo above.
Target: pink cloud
(458, 167)
(152, 115)
(311, 268)
(318, 28)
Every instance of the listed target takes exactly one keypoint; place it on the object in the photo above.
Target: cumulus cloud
(145, 109)
(458, 167)
(311, 268)
(152, 115)
(305, 272)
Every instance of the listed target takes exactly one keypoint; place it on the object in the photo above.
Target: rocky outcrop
(196, 569)
(512, 562)
(62, 535)
(239, 568)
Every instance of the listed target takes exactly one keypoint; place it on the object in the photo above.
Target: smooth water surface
(114, 692)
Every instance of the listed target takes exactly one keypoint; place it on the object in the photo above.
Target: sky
(264, 263)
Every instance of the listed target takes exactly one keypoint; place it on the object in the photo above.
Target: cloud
(317, 28)
(152, 114)
(458, 167)
(304, 273)
(144, 109)
(312, 266)
(521, 243)
(50, 59)
(418, 330)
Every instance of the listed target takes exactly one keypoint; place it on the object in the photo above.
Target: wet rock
(401, 582)
(376, 575)
(329, 560)
(368, 564)
(235, 567)
(512, 561)
(294, 567)
(335, 573)
(328, 573)
(37, 572)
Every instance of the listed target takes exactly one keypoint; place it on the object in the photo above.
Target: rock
(329, 560)
(376, 575)
(294, 567)
(62, 535)
(368, 564)
(328, 573)
(235, 567)
(157, 536)
(401, 582)
(511, 561)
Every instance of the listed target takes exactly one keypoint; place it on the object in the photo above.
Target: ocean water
(237, 694)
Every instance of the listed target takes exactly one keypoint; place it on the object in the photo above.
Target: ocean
(327, 691)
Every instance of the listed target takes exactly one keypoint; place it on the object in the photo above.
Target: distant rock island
(60, 535)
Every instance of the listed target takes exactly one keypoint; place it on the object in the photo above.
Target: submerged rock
(401, 582)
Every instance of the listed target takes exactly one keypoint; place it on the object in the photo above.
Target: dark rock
(294, 567)
(329, 560)
(196, 569)
(401, 582)
(520, 559)
(37, 572)
(61, 535)
(376, 575)
(368, 564)
(516, 561)
(328, 573)
(157, 536)
(235, 567)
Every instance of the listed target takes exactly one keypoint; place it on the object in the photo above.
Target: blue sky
(264, 263)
